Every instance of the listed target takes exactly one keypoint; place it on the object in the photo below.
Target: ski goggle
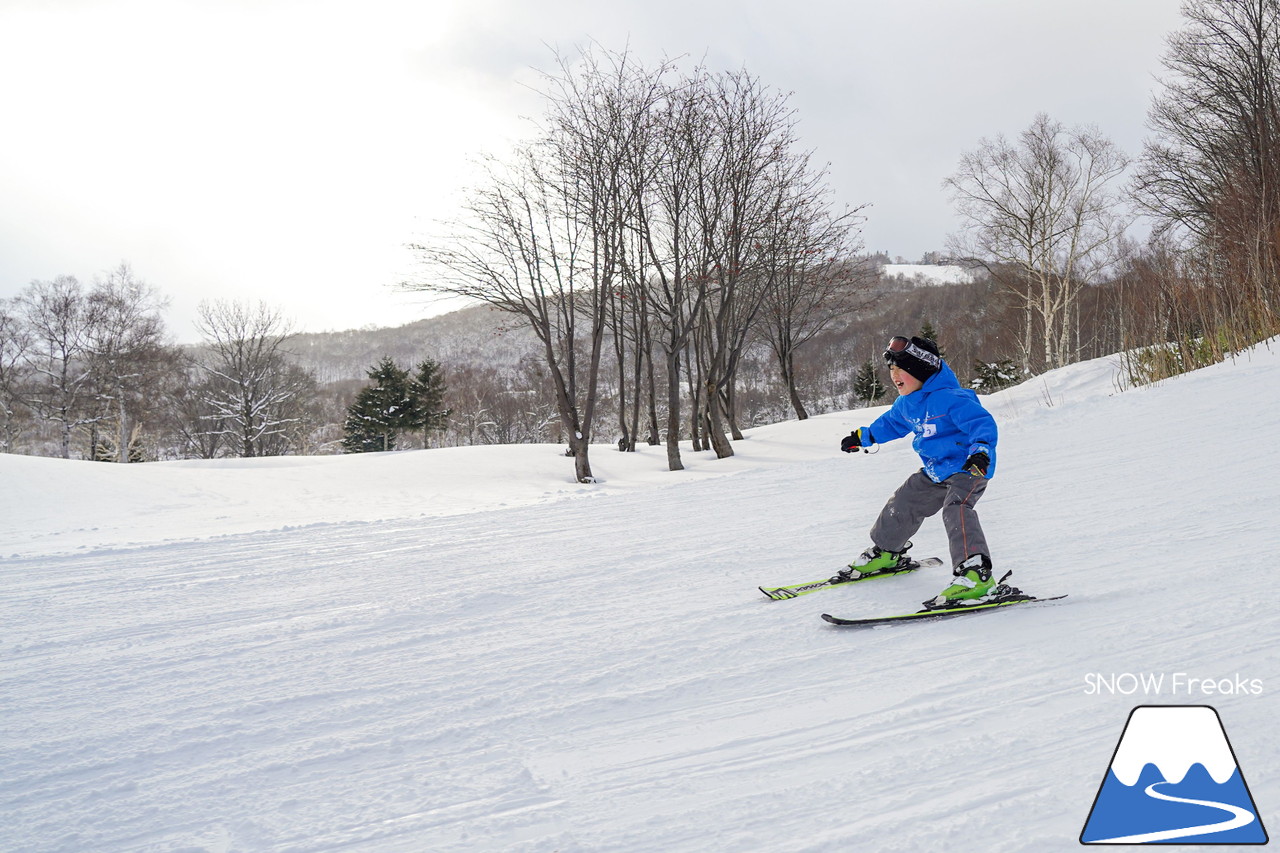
(899, 346)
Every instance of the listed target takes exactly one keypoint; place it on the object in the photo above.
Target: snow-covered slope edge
(53, 506)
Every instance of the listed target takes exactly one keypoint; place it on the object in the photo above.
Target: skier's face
(903, 381)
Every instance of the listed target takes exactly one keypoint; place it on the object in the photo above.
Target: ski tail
(785, 593)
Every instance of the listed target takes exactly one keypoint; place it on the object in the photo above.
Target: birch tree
(59, 385)
(128, 353)
(13, 347)
(1047, 208)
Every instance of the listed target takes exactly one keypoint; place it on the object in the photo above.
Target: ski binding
(783, 593)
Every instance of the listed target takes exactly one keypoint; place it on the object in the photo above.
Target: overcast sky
(288, 150)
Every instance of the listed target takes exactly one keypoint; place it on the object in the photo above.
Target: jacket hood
(944, 378)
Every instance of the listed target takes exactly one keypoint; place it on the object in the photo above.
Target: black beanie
(920, 358)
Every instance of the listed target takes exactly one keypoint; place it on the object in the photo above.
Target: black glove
(977, 464)
(852, 442)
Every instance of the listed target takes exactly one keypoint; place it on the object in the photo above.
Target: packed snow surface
(465, 650)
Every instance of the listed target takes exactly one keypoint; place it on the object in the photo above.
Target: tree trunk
(581, 462)
(695, 406)
(122, 453)
(715, 417)
(788, 366)
(627, 443)
(651, 382)
(673, 412)
(731, 410)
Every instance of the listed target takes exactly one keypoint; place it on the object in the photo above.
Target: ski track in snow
(604, 675)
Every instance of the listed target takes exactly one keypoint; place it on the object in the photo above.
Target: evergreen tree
(989, 377)
(928, 331)
(867, 385)
(381, 411)
(428, 390)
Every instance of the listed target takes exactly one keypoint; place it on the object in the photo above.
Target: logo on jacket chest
(927, 428)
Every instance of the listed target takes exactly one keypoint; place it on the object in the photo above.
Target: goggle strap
(908, 348)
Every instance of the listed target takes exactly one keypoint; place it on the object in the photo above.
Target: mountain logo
(1173, 779)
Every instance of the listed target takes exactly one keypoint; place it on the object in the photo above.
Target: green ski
(942, 612)
(782, 593)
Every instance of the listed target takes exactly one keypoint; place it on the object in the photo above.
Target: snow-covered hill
(477, 335)
(922, 275)
(464, 650)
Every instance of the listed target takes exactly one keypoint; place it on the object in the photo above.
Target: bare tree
(816, 278)
(188, 416)
(1045, 207)
(13, 347)
(667, 227)
(129, 354)
(294, 416)
(59, 387)
(746, 186)
(250, 388)
(520, 251)
(650, 207)
(542, 237)
(1213, 170)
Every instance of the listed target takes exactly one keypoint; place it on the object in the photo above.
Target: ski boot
(874, 561)
(973, 583)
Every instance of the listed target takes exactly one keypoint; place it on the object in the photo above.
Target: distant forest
(494, 380)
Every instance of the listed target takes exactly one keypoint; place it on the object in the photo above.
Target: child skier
(956, 439)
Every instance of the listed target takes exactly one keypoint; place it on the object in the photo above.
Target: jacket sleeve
(976, 423)
(889, 426)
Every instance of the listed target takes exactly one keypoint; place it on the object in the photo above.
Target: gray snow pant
(919, 498)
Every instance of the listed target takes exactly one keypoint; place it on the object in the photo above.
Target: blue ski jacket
(948, 422)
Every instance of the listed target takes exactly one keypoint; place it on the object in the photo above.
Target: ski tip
(853, 623)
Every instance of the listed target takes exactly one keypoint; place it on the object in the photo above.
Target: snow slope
(928, 274)
(464, 650)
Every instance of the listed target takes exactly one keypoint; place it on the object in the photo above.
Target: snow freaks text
(1168, 684)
